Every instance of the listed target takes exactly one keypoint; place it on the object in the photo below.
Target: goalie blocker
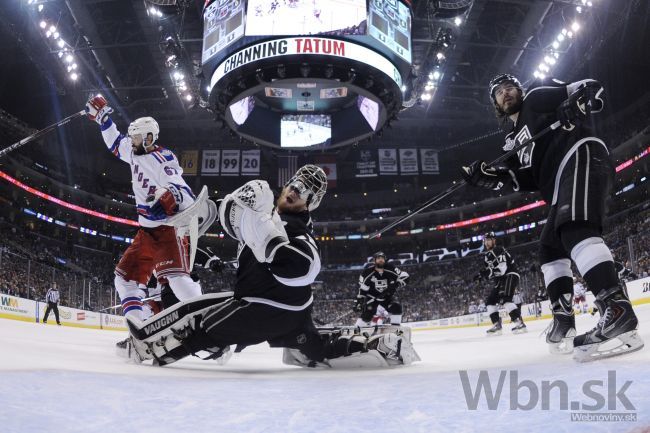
(189, 328)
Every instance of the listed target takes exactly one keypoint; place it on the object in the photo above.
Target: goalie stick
(458, 185)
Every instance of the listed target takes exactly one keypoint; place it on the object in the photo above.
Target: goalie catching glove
(247, 215)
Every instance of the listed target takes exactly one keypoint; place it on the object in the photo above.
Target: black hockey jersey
(286, 282)
(538, 166)
(498, 262)
(381, 285)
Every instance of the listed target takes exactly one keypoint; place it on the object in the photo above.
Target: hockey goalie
(272, 299)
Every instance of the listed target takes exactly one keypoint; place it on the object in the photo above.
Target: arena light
(440, 55)
(61, 43)
(69, 58)
(74, 76)
(52, 29)
(56, 35)
(575, 26)
(43, 24)
(188, 97)
(458, 21)
(40, 8)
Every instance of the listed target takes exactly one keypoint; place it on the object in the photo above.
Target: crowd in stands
(29, 262)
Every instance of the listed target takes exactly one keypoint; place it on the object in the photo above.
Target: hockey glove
(482, 175)
(165, 202)
(358, 305)
(580, 104)
(98, 110)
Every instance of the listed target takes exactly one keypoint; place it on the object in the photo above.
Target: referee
(52, 298)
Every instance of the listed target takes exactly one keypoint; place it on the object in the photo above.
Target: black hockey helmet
(379, 254)
(500, 79)
(489, 235)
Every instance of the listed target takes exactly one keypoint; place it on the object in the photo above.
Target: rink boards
(638, 290)
(12, 307)
(27, 310)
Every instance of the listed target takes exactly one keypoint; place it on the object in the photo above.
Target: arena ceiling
(120, 48)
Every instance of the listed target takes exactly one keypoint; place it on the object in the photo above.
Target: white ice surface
(59, 379)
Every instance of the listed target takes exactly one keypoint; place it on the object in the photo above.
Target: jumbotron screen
(305, 17)
(223, 24)
(303, 130)
(390, 23)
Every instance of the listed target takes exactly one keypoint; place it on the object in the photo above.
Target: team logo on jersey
(380, 285)
(525, 154)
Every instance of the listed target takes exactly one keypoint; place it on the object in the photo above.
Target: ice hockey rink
(61, 379)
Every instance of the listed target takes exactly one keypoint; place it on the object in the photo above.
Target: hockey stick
(336, 319)
(458, 185)
(39, 134)
(119, 305)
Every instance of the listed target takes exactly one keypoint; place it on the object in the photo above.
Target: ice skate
(563, 328)
(614, 334)
(495, 330)
(520, 327)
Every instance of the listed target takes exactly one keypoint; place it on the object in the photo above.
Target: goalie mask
(144, 126)
(310, 182)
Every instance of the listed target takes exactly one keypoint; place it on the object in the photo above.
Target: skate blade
(520, 331)
(625, 343)
(493, 334)
(129, 353)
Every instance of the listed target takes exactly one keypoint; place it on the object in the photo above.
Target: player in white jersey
(381, 316)
(160, 192)
(580, 296)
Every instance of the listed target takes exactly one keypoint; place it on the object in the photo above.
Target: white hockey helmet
(144, 126)
(311, 183)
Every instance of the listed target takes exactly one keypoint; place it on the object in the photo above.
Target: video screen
(302, 130)
(223, 24)
(241, 109)
(390, 24)
(305, 17)
(370, 111)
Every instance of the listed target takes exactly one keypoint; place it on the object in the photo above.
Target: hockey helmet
(500, 79)
(379, 254)
(310, 182)
(489, 235)
(144, 126)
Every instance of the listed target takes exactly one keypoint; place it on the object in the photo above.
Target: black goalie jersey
(381, 286)
(498, 263)
(287, 280)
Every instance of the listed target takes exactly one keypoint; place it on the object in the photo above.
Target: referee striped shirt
(52, 296)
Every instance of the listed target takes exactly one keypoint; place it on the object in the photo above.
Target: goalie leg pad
(176, 332)
(380, 346)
